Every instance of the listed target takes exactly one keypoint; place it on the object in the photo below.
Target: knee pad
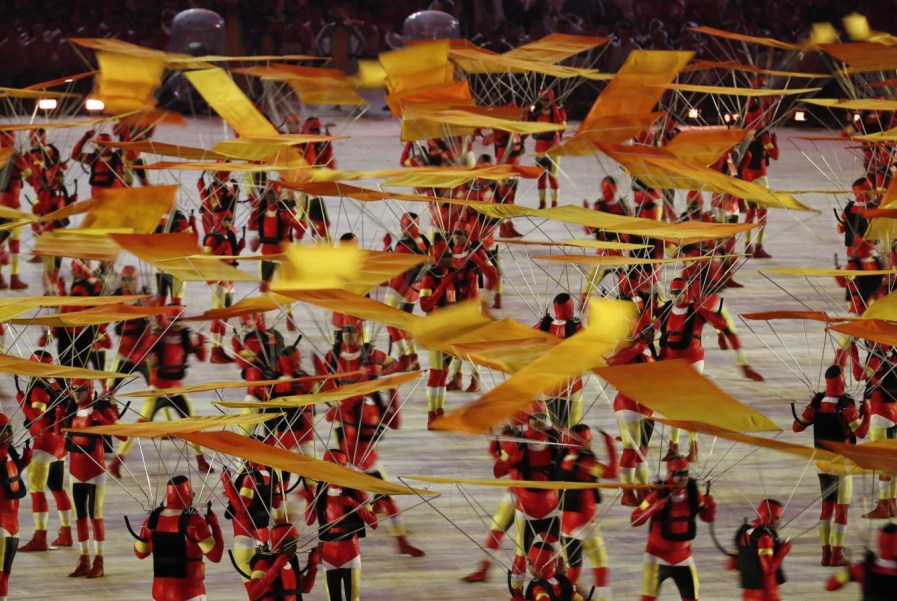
(828, 509)
(841, 510)
(14, 246)
(436, 378)
(38, 475)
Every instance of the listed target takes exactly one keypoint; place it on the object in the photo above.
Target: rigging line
(801, 376)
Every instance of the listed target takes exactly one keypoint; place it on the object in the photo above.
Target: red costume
(222, 241)
(672, 511)
(218, 196)
(276, 575)
(275, 225)
(834, 417)
(179, 538)
(134, 335)
(107, 166)
(403, 290)
(12, 488)
(547, 584)
(87, 471)
(11, 175)
(39, 402)
(762, 148)
(565, 404)
(547, 110)
(877, 574)
(760, 554)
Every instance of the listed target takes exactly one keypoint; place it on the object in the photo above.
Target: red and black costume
(565, 404)
(39, 402)
(11, 176)
(547, 583)
(107, 166)
(876, 573)
(217, 196)
(760, 553)
(79, 345)
(672, 511)
(174, 222)
(547, 110)
(834, 417)
(222, 241)
(403, 290)
(274, 225)
(762, 148)
(276, 575)
(179, 539)
(12, 489)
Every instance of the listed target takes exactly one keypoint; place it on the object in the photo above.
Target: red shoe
(65, 537)
(115, 467)
(35, 259)
(15, 283)
(455, 383)
(760, 253)
(672, 451)
(721, 341)
(203, 465)
(432, 415)
(629, 499)
(83, 567)
(474, 383)
(480, 574)
(406, 548)
(496, 304)
(541, 204)
(749, 373)
(97, 570)
(882, 511)
(838, 557)
(219, 356)
(554, 203)
(733, 284)
(826, 555)
(37, 543)
(291, 325)
(749, 250)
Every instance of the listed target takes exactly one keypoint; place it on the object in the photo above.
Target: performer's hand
(387, 241)
(784, 548)
(254, 244)
(89, 133)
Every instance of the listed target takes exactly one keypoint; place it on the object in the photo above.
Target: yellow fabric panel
(609, 324)
(200, 166)
(869, 456)
(538, 484)
(282, 72)
(33, 94)
(824, 272)
(60, 81)
(76, 243)
(223, 95)
(177, 426)
(884, 308)
(443, 177)
(56, 124)
(246, 306)
(661, 169)
(356, 305)
(505, 345)
(363, 194)
(704, 146)
(423, 129)
(96, 315)
(11, 307)
(728, 35)
(24, 367)
(338, 394)
(411, 83)
(327, 91)
(448, 323)
(477, 62)
(380, 266)
(261, 148)
(126, 83)
(628, 93)
(615, 261)
(136, 209)
(419, 57)
(703, 65)
(555, 47)
(478, 119)
(299, 465)
(119, 46)
(370, 76)
(676, 390)
(614, 129)
(225, 386)
(446, 93)
(158, 247)
(202, 268)
(862, 57)
(318, 267)
(875, 330)
(733, 91)
(881, 228)
(854, 104)
(889, 135)
(169, 150)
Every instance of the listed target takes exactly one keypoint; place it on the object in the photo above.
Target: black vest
(277, 592)
(746, 540)
(170, 548)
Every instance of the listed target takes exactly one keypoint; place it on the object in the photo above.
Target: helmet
(6, 435)
(82, 385)
(336, 456)
(313, 126)
(769, 511)
(581, 436)
(290, 359)
(541, 558)
(282, 533)
(679, 285)
(411, 224)
(537, 424)
(178, 493)
(41, 356)
(129, 271)
(608, 188)
(860, 187)
(104, 138)
(677, 466)
(563, 306)
(887, 542)
(439, 249)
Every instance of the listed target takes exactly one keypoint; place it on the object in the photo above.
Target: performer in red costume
(834, 417)
(547, 584)
(295, 430)
(547, 110)
(217, 196)
(881, 390)
(43, 160)
(611, 203)
(537, 510)
(107, 165)
(876, 573)
(760, 553)
(39, 401)
(171, 348)
(255, 499)
(361, 422)
(509, 148)
(403, 290)
(275, 225)
(565, 404)
(341, 514)
(179, 538)
(51, 196)
(11, 490)
(76, 344)
(11, 176)
(681, 326)
(672, 510)
(222, 241)
(276, 575)
(173, 222)
(87, 471)
(134, 335)
(762, 148)
(580, 532)
(439, 288)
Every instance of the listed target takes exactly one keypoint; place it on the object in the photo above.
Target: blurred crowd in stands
(34, 35)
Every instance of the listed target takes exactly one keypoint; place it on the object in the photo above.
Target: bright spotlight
(94, 104)
(694, 113)
(800, 116)
(46, 104)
